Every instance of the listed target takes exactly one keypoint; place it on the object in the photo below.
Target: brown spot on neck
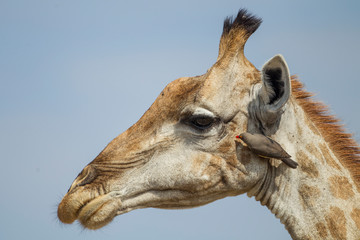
(355, 215)
(321, 229)
(336, 223)
(340, 187)
(315, 152)
(308, 195)
(306, 164)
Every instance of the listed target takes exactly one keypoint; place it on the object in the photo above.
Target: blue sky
(75, 74)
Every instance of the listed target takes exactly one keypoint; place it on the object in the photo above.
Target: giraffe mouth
(93, 211)
(101, 210)
(97, 212)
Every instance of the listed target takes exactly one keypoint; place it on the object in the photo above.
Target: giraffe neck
(319, 199)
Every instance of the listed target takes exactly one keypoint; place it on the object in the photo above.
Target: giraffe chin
(100, 211)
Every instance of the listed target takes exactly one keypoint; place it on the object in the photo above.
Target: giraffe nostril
(86, 176)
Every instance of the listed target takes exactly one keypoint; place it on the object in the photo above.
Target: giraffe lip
(99, 211)
(92, 211)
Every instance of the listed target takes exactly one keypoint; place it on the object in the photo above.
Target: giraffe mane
(342, 143)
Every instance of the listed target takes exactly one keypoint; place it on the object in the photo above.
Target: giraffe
(182, 152)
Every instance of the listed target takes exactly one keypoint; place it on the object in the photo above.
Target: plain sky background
(75, 74)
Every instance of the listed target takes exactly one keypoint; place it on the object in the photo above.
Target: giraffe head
(182, 152)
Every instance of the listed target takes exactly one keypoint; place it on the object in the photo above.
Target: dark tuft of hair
(243, 20)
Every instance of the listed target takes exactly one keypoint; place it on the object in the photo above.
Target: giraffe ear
(267, 107)
(276, 84)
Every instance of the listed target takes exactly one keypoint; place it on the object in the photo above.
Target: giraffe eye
(202, 122)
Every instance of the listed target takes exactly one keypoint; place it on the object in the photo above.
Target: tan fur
(355, 215)
(340, 187)
(314, 150)
(306, 165)
(336, 223)
(328, 158)
(322, 230)
(309, 195)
